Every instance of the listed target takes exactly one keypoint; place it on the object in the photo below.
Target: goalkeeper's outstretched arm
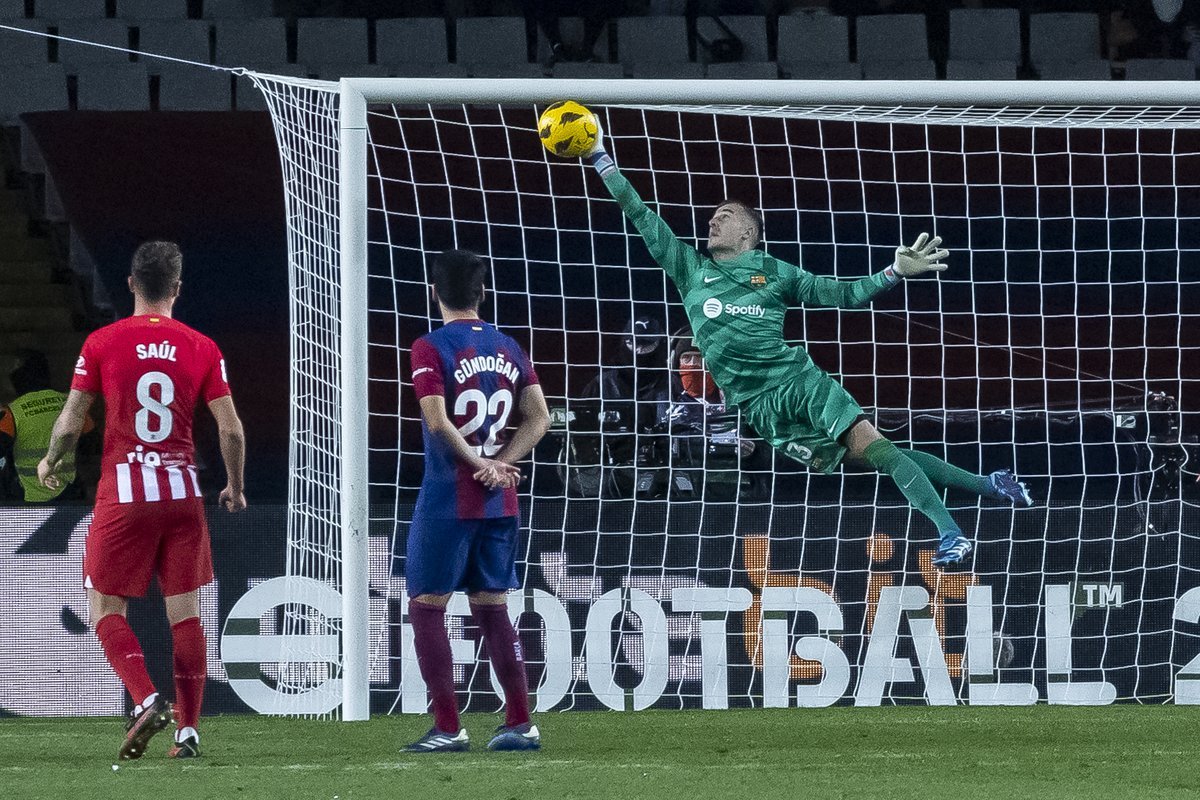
(817, 291)
(675, 257)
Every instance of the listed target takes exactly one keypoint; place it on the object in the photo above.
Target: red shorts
(129, 543)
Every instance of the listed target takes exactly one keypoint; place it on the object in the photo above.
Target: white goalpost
(672, 563)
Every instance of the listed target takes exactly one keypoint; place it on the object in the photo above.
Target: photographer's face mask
(695, 379)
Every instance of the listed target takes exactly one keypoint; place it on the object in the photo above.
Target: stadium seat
(576, 70)
(744, 70)
(670, 70)
(498, 40)
(11, 9)
(985, 35)
(572, 30)
(24, 48)
(959, 69)
(247, 96)
(879, 35)
(818, 38)
(55, 10)
(820, 70)
(152, 9)
(237, 9)
(413, 69)
(32, 88)
(906, 70)
(1160, 69)
(184, 88)
(112, 32)
(1091, 69)
(331, 41)
(751, 31)
(188, 39)
(113, 87)
(520, 69)
(250, 41)
(641, 40)
(1063, 37)
(418, 40)
(335, 72)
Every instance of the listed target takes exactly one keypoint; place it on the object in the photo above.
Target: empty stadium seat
(744, 70)
(152, 9)
(184, 88)
(420, 40)
(24, 48)
(1160, 69)
(113, 87)
(187, 39)
(959, 69)
(32, 88)
(671, 70)
(250, 41)
(892, 37)
(1091, 69)
(751, 31)
(520, 69)
(55, 10)
(641, 40)
(331, 41)
(1064, 37)
(237, 9)
(586, 70)
(906, 70)
(819, 38)
(11, 9)
(112, 32)
(987, 35)
(498, 40)
(820, 70)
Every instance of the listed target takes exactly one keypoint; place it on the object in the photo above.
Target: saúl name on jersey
(165, 351)
(497, 363)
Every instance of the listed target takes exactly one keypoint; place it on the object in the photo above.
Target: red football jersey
(152, 372)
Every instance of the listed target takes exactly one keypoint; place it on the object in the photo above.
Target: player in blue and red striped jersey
(149, 519)
(469, 379)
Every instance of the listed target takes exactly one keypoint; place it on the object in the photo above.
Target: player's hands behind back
(498, 474)
(232, 501)
(922, 257)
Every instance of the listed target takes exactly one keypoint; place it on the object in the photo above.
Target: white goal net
(669, 558)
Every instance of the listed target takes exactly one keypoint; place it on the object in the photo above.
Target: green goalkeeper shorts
(804, 418)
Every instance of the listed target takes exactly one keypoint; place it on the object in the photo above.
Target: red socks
(436, 663)
(124, 653)
(191, 670)
(504, 651)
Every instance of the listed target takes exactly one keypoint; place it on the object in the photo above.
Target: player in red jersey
(149, 514)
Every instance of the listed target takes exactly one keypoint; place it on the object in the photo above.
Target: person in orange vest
(25, 428)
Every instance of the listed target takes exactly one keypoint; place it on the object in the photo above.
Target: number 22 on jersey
(477, 406)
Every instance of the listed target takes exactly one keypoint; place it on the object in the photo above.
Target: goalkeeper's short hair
(752, 212)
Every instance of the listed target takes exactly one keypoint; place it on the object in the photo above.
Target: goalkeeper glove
(922, 257)
(600, 159)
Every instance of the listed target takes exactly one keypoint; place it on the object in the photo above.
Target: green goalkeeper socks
(890, 460)
(948, 476)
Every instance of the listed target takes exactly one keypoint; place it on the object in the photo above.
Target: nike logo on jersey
(710, 280)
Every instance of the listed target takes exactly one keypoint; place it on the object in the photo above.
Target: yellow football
(567, 129)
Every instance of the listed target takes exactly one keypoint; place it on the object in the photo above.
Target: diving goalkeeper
(736, 299)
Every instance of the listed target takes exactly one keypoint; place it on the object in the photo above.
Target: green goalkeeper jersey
(737, 307)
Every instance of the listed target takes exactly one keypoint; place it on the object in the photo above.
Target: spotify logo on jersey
(712, 308)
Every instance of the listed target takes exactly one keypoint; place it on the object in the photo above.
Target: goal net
(669, 558)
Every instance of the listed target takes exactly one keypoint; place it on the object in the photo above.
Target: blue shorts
(470, 555)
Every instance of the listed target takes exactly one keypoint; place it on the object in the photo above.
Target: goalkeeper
(736, 299)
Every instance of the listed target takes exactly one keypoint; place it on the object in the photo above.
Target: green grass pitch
(890, 753)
